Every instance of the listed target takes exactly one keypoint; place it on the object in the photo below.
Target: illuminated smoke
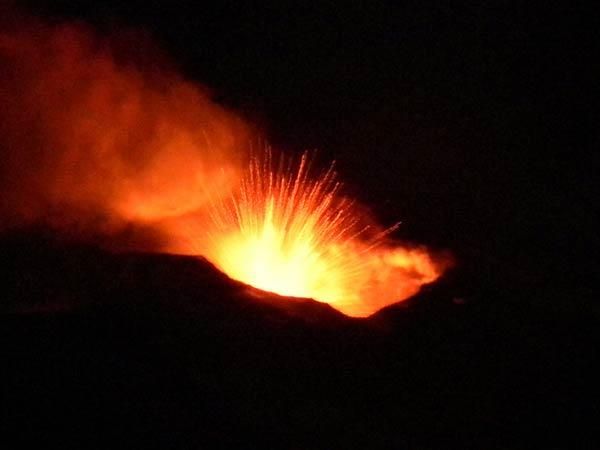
(94, 137)
(85, 132)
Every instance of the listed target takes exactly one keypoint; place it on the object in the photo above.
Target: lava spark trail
(288, 230)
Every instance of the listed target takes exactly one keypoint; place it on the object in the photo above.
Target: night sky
(472, 123)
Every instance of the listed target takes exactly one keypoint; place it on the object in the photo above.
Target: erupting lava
(90, 142)
(285, 232)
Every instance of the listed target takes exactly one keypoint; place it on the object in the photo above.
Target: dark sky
(474, 123)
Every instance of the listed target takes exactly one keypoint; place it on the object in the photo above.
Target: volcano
(127, 134)
(104, 349)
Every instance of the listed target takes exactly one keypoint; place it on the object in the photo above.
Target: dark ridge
(49, 273)
(105, 350)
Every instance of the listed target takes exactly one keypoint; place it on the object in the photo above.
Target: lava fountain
(288, 230)
(91, 143)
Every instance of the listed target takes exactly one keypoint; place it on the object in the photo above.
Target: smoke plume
(99, 134)
(95, 133)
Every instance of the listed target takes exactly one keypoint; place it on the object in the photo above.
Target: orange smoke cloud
(84, 129)
(93, 137)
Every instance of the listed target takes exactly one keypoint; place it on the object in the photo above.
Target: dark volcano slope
(105, 350)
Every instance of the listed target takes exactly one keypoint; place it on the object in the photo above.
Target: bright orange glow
(91, 134)
(95, 143)
(285, 232)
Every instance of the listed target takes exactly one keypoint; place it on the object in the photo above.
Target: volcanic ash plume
(90, 129)
(94, 136)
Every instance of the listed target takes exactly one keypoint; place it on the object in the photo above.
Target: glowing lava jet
(286, 232)
(94, 144)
